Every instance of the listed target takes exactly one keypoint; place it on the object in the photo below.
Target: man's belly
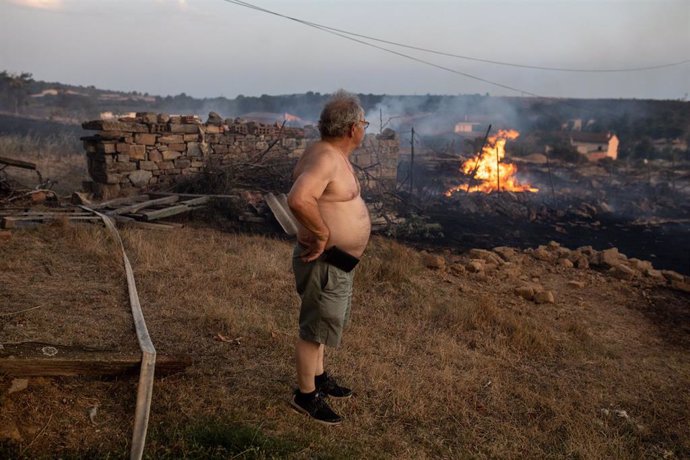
(349, 225)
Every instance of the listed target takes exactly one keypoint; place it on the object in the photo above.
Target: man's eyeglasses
(365, 124)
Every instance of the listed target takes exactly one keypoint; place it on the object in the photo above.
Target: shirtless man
(325, 199)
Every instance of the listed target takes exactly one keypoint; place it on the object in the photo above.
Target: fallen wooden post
(32, 360)
(133, 208)
(17, 163)
(184, 206)
(12, 221)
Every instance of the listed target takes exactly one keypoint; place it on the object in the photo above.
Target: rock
(672, 276)
(680, 286)
(640, 265)
(553, 245)
(526, 292)
(483, 254)
(582, 263)
(434, 261)
(163, 118)
(564, 252)
(607, 258)
(656, 274)
(5, 235)
(214, 119)
(565, 263)
(505, 252)
(544, 297)
(576, 284)
(542, 254)
(586, 250)
(18, 385)
(140, 178)
(475, 266)
(623, 272)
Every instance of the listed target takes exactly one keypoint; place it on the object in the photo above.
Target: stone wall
(153, 151)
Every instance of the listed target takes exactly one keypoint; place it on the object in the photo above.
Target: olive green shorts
(326, 293)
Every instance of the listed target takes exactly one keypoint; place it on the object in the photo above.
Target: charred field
(641, 209)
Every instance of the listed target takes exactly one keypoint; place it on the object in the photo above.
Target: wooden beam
(120, 201)
(184, 206)
(17, 163)
(11, 221)
(28, 360)
(133, 208)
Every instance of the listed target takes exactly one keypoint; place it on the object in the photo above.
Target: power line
(388, 50)
(459, 56)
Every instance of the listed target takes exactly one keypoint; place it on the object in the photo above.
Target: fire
(487, 171)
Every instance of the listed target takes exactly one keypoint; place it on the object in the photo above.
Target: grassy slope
(442, 365)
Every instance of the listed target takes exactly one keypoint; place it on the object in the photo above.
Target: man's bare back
(324, 173)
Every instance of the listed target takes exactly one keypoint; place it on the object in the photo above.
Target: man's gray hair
(339, 114)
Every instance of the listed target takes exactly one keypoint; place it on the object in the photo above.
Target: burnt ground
(667, 246)
(642, 209)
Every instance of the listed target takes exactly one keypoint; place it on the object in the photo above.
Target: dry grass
(443, 366)
(60, 158)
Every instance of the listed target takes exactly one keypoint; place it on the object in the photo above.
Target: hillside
(448, 356)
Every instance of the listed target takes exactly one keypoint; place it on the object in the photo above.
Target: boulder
(526, 292)
(434, 261)
(214, 119)
(670, 275)
(640, 265)
(475, 266)
(485, 255)
(681, 286)
(582, 263)
(543, 254)
(544, 297)
(505, 252)
(656, 274)
(621, 271)
(565, 263)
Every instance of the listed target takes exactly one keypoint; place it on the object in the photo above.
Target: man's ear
(352, 129)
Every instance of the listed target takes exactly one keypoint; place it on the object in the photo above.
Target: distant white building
(595, 146)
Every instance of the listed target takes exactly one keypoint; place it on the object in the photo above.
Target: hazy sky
(208, 48)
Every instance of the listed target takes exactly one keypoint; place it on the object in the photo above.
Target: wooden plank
(44, 214)
(133, 208)
(28, 360)
(11, 222)
(17, 163)
(120, 201)
(282, 213)
(183, 207)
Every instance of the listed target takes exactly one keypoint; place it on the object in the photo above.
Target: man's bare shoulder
(319, 155)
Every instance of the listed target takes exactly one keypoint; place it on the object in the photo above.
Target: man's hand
(315, 248)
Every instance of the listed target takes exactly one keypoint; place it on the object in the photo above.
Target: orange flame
(487, 170)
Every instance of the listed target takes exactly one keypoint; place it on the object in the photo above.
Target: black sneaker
(329, 387)
(315, 407)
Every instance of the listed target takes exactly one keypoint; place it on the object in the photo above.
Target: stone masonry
(150, 151)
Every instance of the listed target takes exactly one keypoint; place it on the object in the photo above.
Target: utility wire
(459, 56)
(388, 50)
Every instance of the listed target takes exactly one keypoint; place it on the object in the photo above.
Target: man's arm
(303, 199)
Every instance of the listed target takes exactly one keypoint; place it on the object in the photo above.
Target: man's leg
(319, 361)
(309, 357)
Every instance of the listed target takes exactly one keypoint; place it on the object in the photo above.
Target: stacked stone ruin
(152, 151)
